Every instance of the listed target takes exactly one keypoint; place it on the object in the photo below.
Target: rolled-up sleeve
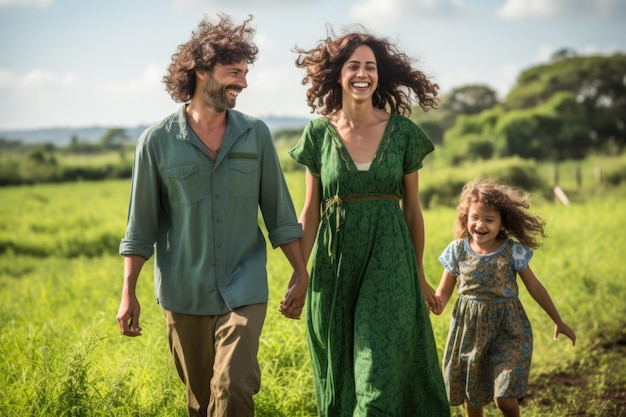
(143, 210)
(275, 200)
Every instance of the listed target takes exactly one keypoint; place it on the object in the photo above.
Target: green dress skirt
(368, 330)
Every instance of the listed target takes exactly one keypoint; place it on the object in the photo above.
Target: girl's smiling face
(359, 74)
(484, 224)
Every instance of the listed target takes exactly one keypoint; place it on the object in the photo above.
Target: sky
(79, 63)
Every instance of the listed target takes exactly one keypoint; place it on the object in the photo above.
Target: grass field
(60, 282)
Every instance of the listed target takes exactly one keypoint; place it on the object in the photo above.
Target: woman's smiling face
(359, 74)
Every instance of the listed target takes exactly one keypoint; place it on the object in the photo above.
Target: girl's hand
(562, 328)
(439, 305)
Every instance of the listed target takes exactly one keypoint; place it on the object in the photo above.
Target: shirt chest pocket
(243, 175)
(185, 185)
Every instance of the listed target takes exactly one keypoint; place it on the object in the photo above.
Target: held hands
(562, 328)
(438, 308)
(292, 304)
(431, 300)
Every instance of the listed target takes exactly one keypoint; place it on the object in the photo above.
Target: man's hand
(128, 316)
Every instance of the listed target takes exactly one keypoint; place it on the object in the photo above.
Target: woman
(369, 334)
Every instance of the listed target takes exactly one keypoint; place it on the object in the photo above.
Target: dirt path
(593, 386)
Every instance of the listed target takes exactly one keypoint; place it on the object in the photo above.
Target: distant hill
(62, 136)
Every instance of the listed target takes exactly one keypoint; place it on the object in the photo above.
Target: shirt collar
(238, 123)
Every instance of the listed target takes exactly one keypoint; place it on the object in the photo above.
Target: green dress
(368, 330)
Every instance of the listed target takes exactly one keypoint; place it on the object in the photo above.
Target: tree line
(565, 109)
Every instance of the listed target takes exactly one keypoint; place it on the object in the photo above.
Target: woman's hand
(429, 296)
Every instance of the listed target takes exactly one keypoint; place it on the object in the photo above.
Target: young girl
(489, 347)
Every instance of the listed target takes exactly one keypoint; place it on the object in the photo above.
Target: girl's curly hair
(512, 205)
(397, 80)
(222, 43)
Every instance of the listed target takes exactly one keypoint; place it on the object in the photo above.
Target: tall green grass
(60, 282)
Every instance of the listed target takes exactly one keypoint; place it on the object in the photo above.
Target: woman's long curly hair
(512, 205)
(398, 82)
(222, 43)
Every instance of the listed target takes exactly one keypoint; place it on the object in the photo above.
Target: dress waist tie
(336, 202)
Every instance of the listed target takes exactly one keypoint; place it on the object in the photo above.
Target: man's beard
(217, 97)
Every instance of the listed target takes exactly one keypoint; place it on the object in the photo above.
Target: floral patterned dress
(369, 333)
(489, 346)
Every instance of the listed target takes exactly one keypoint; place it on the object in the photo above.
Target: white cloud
(553, 9)
(545, 53)
(36, 79)
(41, 4)
(139, 100)
(45, 99)
(36, 97)
(226, 4)
(501, 79)
(149, 80)
(376, 12)
(273, 91)
(264, 43)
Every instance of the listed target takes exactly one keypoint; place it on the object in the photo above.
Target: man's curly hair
(397, 80)
(222, 43)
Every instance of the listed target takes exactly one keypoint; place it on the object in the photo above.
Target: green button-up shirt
(201, 216)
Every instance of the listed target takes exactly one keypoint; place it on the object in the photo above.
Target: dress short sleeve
(418, 145)
(449, 258)
(307, 151)
(521, 256)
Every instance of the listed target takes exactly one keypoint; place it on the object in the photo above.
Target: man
(199, 178)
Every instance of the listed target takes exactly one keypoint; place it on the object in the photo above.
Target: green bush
(616, 175)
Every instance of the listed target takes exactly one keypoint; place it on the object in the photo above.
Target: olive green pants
(216, 358)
